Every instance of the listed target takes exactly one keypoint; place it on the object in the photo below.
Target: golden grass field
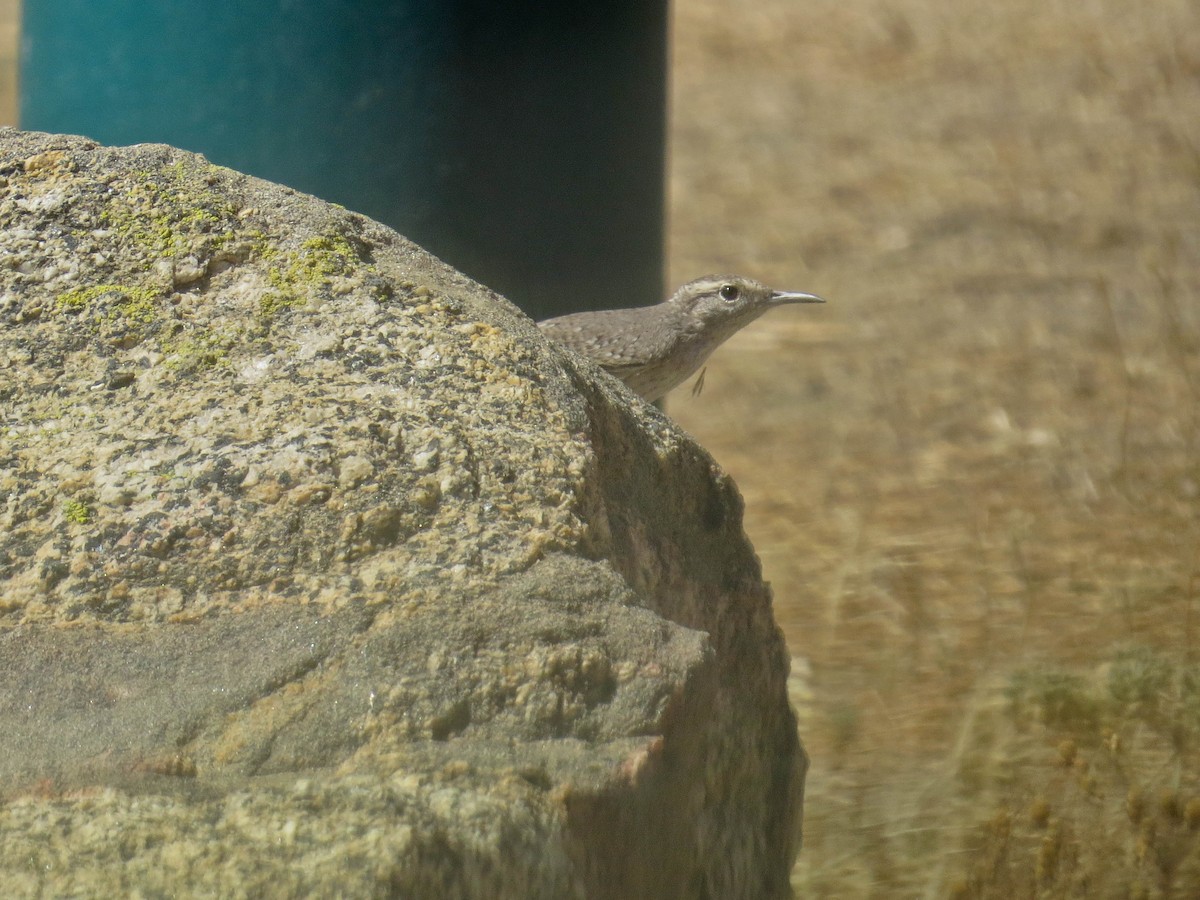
(973, 477)
(9, 23)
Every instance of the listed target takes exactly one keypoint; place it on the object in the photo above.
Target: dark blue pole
(522, 142)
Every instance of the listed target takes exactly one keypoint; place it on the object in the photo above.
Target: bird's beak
(781, 297)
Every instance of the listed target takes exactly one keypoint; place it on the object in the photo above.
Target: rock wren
(655, 348)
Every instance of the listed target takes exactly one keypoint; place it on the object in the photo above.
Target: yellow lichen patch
(76, 511)
(297, 275)
(135, 305)
(196, 351)
(120, 316)
(171, 213)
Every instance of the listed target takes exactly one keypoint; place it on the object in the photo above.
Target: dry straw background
(974, 477)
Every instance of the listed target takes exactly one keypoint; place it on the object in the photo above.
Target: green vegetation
(1100, 785)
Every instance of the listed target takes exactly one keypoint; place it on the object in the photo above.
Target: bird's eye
(730, 292)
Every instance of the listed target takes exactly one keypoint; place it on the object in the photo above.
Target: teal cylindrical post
(522, 142)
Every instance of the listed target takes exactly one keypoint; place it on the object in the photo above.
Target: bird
(656, 348)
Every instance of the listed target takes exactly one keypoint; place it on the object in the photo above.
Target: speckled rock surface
(321, 572)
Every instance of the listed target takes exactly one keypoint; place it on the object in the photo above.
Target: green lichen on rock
(135, 304)
(197, 351)
(297, 275)
(77, 511)
(169, 213)
(122, 316)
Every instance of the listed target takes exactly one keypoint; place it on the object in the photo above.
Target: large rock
(322, 573)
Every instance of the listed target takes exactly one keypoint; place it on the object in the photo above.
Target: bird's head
(717, 306)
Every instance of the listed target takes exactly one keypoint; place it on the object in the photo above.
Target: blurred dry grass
(10, 19)
(973, 478)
